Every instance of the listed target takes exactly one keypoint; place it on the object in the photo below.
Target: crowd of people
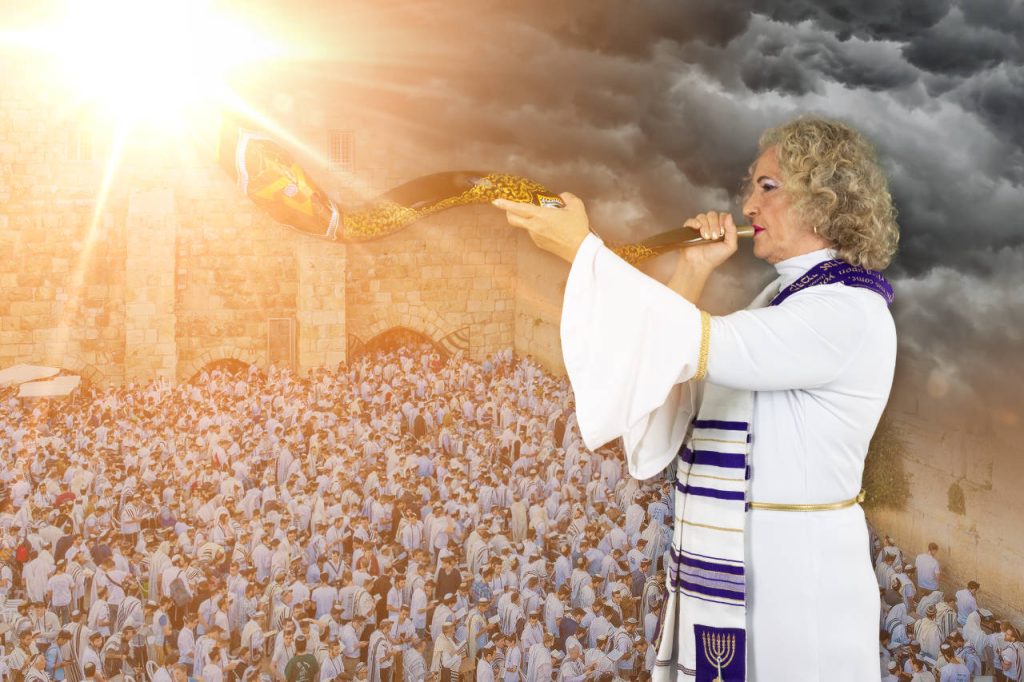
(928, 635)
(399, 518)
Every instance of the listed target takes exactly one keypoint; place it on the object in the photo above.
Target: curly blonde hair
(833, 176)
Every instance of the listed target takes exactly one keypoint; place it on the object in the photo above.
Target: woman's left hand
(558, 230)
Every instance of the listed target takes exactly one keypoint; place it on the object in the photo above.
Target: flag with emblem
(268, 175)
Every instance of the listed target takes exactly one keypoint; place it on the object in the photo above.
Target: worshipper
(56, 663)
(381, 654)
(927, 632)
(928, 570)
(966, 652)
(632, 344)
(447, 655)
(36, 671)
(1012, 654)
(966, 602)
(484, 664)
(551, 481)
(303, 666)
(954, 669)
(333, 665)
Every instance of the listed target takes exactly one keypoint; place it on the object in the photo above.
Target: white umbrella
(19, 374)
(54, 388)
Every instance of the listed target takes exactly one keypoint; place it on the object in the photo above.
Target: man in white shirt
(966, 602)
(60, 587)
(928, 570)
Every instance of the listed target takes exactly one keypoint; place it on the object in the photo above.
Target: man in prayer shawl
(380, 654)
(927, 632)
(932, 599)
(539, 666)
(945, 616)
(35, 575)
(520, 521)
(130, 610)
(896, 622)
(446, 658)
(975, 635)
(159, 560)
(510, 613)
(414, 665)
(478, 627)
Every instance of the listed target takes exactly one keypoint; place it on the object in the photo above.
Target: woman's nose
(750, 207)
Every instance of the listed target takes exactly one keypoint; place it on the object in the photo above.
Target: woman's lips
(758, 229)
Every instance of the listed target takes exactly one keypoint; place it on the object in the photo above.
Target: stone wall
(539, 291)
(966, 448)
(156, 265)
(62, 270)
(451, 277)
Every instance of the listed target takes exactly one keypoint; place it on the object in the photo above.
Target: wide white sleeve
(630, 345)
(804, 343)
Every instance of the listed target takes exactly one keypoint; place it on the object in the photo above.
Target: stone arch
(231, 365)
(399, 336)
(418, 319)
(213, 355)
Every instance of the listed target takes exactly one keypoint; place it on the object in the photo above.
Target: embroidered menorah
(719, 649)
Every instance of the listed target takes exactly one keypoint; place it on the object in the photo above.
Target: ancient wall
(451, 277)
(980, 456)
(157, 265)
(61, 252)
(539, 291)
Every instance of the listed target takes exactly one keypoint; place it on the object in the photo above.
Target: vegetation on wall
(957, 503)
(886, 481)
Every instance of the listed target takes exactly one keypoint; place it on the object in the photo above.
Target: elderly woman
(769, 576)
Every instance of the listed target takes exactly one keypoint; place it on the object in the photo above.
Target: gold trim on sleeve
(705, 345)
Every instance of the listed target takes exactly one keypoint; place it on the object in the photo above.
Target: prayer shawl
(703, 634)
(704, 626)
(129, 610)
(79, 642)
(896, 623)
(379, 651)
(539, 667)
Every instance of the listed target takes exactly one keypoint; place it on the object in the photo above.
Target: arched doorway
(398, 337)
(229, 366)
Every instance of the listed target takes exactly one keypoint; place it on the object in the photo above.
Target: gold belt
(775, 506)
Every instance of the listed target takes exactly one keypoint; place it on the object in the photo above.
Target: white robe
(820, 366)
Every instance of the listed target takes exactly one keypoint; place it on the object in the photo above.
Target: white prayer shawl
(157, 563)
(477, 626)
(631, 346)
(896, 623)
(927, 633)
(933, 599)
(974, 634)
(945, 618)
(445, 654)
(379, 651)
(539, 667)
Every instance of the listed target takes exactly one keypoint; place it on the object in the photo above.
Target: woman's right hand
(706, 257)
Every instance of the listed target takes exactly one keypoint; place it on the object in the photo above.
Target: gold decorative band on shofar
(832, 506)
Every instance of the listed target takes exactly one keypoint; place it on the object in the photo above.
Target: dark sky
(650, 110)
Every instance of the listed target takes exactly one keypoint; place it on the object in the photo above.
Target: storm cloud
(651, 111)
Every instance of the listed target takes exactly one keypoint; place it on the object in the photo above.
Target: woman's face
(781, 232)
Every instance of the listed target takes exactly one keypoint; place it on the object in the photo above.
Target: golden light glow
(149, 61)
